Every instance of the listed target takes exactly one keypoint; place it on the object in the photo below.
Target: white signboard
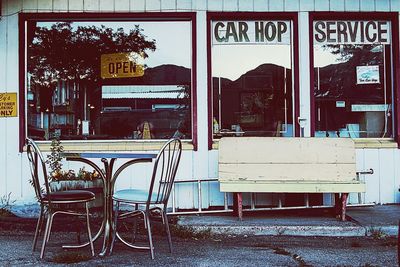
(352, 32)
(373, 107)
(367, 74)
(250, 32)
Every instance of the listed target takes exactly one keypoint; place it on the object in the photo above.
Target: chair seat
(134, 196)
(70, 195)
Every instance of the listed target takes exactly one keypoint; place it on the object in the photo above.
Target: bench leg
(343, 206)
(238, 205)
(337, 207)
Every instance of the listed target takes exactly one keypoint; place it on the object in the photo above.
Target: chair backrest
(164, 172)
(38, 169)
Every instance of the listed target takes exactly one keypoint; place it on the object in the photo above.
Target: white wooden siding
(197, 5)
(382, 186)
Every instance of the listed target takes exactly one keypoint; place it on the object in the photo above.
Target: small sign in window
(122, 65)
(367, 74)
(8, 104)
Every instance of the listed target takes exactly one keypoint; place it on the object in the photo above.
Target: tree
(63, 52)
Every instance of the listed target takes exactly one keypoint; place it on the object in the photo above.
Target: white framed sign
(367, 74)
(351, 32)
(250, 32)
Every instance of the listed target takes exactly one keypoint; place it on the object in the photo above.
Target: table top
(128, 155)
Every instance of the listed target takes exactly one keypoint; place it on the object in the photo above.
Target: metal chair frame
(50, 205)
(168, 160)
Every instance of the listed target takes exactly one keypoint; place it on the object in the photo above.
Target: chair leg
(88, 228)
(115, 227)
(46, 233)
(38, 227)
(147, 219)
(51, 224)
(165, 219)
(135, 225)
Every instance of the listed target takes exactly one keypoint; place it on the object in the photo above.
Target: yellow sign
(8, 104)
(122, 65)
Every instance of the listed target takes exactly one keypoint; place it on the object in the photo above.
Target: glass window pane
(352, 79)
(252, 78)
(109, 80)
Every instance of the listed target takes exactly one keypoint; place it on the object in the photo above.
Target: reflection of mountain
(160, 75)
(255, 100)
(339, 81)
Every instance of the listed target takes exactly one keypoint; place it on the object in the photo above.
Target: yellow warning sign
(8, 104)
(122, 65)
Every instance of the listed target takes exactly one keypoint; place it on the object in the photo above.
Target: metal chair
(145, 202)
(52, 203)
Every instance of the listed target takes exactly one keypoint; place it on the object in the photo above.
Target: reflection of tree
(185, 121)
(62, 52)
(356, 52)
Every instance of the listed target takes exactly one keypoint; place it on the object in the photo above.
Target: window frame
(387, 16)
(292, 16)
(98, 17)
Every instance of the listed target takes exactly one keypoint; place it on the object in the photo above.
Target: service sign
(250, 32)
(8, 104)
(122, 65)
(351, 32)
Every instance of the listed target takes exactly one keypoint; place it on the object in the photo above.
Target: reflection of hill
(160, 75)
(339, 81)
(264, 77)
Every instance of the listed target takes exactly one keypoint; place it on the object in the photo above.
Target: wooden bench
(288, 165)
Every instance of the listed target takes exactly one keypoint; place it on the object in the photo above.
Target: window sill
(114, 145)
(359, 143)
(375, 143)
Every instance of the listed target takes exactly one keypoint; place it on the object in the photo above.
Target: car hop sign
(122, 65)
(351, 32)
(250, 32)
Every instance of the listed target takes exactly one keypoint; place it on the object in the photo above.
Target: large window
(122, 79)
(252, 77)
(353, 85)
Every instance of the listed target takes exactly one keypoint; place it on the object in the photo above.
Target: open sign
(122, 65)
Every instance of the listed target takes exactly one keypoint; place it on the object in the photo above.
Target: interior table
(108, 175)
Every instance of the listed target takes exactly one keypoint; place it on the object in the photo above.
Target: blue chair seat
(134, 196)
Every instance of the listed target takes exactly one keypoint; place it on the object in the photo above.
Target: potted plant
(67, 179)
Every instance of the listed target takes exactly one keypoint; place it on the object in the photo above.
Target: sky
(173, 39)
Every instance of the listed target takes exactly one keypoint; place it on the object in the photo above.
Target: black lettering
(231, 31)
(243, 27)
(118, 66)
(125, 67)
(259, 31)
(270, 37)
(367, 31)
(330, 31)
(352, 31)
(111, 68)
(217, 30)
(382, 32)
(320, 36)
(362, 33)
(282, 28)
(342, 31)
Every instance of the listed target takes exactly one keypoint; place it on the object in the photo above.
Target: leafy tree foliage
(65, 52)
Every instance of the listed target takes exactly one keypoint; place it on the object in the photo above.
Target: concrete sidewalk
(363, 221)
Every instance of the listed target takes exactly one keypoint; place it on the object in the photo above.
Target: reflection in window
(252, 79)
(109, 80)
(353, 87)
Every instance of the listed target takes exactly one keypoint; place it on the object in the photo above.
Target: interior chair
(52, 203)
(151, 203)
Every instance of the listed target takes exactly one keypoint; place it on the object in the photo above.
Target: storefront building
(128, 75)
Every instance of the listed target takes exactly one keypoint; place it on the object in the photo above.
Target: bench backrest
(287, 159)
